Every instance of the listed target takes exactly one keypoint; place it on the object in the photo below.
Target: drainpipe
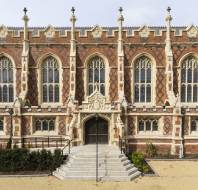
(181, 148)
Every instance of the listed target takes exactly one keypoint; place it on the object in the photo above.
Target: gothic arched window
(6, 80)
(96, 75)
(142, 79)
(50, 80)
(189, 80)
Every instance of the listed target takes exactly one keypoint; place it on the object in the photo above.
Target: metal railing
(123, 145)
(44, 142)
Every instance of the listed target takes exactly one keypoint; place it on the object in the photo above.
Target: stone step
(93, 162)
(100, 155)
(93, 172)
(118, 167)
(93, 159)
(105, 178)
(81, 164)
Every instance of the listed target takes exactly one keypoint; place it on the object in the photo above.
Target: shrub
(151, 150)
(58, 158)
(138, 160)
(13, 160)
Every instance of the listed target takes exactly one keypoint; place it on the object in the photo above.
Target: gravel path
(173, 175)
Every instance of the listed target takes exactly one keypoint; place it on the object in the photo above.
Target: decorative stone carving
(96, 102)
(96, 32)
(49, 32)
(144, 31)
(3, 31)
(192, 31)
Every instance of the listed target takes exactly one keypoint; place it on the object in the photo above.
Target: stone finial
(25, 17)
(120, 18)
(25, 10)
(168, 17)
(73, 10)
(73, 17)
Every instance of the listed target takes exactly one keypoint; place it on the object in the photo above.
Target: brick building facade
(140, 82)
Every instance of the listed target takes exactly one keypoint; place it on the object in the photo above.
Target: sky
(101, 12)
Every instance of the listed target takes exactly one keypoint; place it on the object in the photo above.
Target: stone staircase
(112, 165)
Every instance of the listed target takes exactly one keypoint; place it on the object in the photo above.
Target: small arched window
(50, 80)
(6, 80)
(96, 75)
(142, 79)
(189, 80)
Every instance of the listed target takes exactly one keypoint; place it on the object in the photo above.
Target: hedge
(13, 160)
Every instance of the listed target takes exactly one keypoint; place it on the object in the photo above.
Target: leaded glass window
(142, 79)
(1, 124)
(50, 80)
(96, 75)
(189, 80)
(45, 124)
(6, 80)
(148, 125)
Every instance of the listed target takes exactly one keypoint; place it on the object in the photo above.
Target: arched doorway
(91, 129)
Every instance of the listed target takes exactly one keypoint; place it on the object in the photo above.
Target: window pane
(142, 75)
(38, 125)
(51, 125)
(195, 93)
(189, 93)
(96, 75)
(90, 75)
(155, 125)
(5, 76)
(137, 75)
(149, 75)
(56, 93)
(102, 89)
(11, 93)
(51, 93)
(90, 89)
(45, 125)
(45, 75)
(1, 124)
(183, 93)
(50, 75)
(45, 93)
(5, 93)
(148, 126)
(195, 74)
(148, 93)
(102, 75)
(10, 75)
(189, 75)
(141, 125)
(56, 75)
(193, 125)
(142, 95)
(136, 93)
(183, 75)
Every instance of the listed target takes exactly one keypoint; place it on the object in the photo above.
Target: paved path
(174, 175)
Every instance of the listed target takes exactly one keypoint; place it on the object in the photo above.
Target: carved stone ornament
(49, 32)
(3, 31)
(192, 31)
(144, 31)
(96, 102)
(96, 32)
